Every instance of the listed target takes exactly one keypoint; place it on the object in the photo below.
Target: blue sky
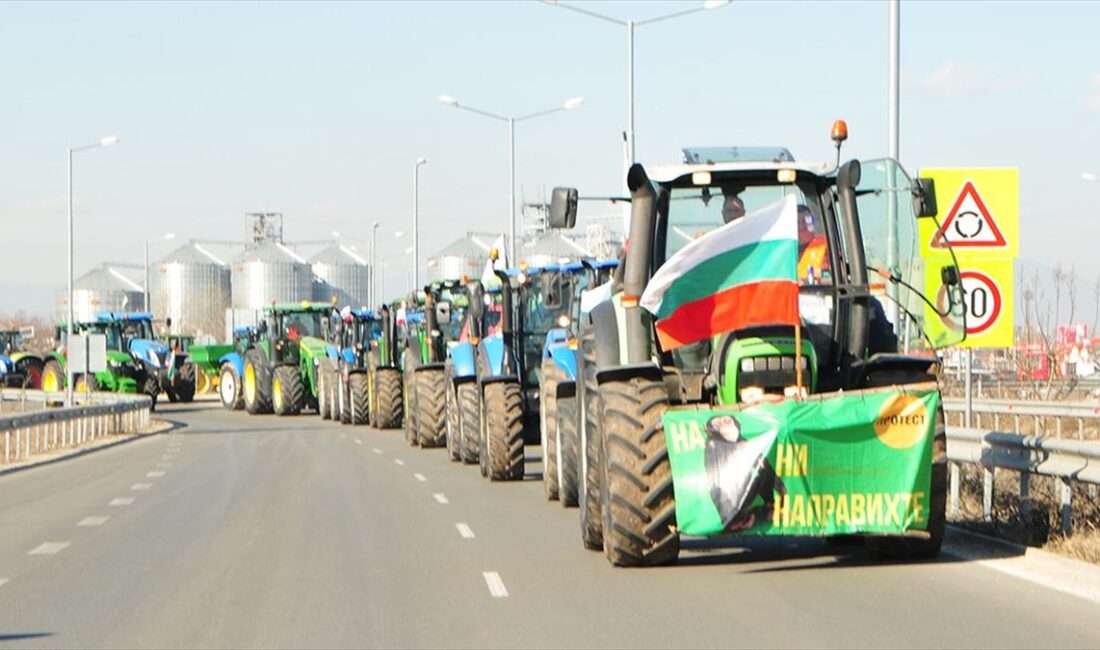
(320, 110)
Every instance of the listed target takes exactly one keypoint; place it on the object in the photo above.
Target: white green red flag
(742, 274)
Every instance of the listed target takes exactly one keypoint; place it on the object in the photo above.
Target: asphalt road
(239, 531)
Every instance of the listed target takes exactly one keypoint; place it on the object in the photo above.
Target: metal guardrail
(992, 412)
(1064, 460)
(49, 429)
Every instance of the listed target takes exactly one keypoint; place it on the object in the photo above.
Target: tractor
(384, 401)
(481, 319)
(19, 368)
(770, 429)
(430, 330)
(344, 393)
(280, 365)
(223, 365)
(557, 380)
(134, 359)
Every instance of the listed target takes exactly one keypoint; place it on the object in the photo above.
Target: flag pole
(798, 358)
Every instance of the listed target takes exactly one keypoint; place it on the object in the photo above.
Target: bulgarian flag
(742, 274)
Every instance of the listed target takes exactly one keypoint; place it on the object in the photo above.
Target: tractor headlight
(152, 357)
(114, 365)
(563, 321)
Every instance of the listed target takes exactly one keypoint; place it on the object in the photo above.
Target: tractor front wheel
(287, 393)
(454, 423)
(53, 377)
(549, 379)
(504, 431)
(357, 390)
(256, 383)
(186, 382)
(324, 389)
(387, 388)
(469, 422)
(588, 477)
(567, 451)
(229, 389)
(431, 404)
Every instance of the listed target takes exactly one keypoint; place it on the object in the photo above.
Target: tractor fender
(610, 347)
(6, 364)
(556, 336)
(235, 360)
(463, 363)
(348, 355)
(16, 357)
(332, 352)
(493, 348)
(627, 372)
(150, 352)
(565, 359)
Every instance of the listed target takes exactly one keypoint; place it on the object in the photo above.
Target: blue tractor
(343, 390)
(231, 366)
(573, 285)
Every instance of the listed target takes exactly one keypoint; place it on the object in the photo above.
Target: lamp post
(374, 265)
(167, 237)
(103, 142)
(416, 220)
(630, 26)
(567, 105)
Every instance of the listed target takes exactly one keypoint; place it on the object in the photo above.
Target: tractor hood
(316, 348)
(153, 353)
(114, 356)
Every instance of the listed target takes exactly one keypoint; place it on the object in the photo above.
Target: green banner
(844, 463)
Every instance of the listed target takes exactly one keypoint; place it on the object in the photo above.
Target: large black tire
(454, 423)
(170, 393)
(257, 391)
(84, 383)
(588, 443)
(431, 408)
(549, 379)
(287, 392)
(409, 385)
(357, 391)
(184, 385)
(31, 369)
(470, 421)
(53, 376)
(567, 451)
(325, 380)
(151, 387)
(388, 403)
(229, 389)
(638, 505)
(504, 431)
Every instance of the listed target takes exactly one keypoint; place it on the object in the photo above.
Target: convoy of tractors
(564, 356)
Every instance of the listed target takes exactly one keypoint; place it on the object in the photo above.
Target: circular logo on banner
(902, 421)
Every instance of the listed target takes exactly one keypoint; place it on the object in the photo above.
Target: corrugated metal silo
(101, 289)
(192, 287)
(342, 274)
(464, 256)
(270, 272)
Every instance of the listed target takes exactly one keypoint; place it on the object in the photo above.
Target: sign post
(88, 353)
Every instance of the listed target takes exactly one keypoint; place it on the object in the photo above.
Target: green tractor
(430, 329)
(824, 430)
(384, 395)
(279, 374)
(19, 368)
(135, 361)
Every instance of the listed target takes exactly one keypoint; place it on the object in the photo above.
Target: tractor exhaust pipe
(636, 268)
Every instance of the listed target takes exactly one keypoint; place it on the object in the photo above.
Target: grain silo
(102, 289)
(192, 287)
(269, 272)
(342, 274)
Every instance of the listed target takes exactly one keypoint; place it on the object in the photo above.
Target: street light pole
(567, 105)
(375, 286)
(103, 142)
(416, 221)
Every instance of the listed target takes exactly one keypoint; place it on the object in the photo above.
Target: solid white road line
(440, 498)
(399, 462)
(377, 451)
(93, 521)
(495, 584)
(49, 548)
(464, 530)
(420, 477)
(121, 501)
(154, 475)
(141, 486)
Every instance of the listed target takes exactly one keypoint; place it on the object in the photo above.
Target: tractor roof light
(573, 344)
(840, 132)
(786, 175)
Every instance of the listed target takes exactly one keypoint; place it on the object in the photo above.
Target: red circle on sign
(995, 293)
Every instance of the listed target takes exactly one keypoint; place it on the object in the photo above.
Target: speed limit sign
(982, 298)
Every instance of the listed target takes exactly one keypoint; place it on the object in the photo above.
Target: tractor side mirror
(27, 332)
(949, 275)
(924, 198)
(552, 300)
(261, 328)
(563, 207)
(443, 313)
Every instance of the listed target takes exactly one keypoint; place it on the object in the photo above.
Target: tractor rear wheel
(567, 451)
(287, 393)
(229, 389)
(638, 506)
(387, 388)
(454, 423)
(470, 421)
(549, 379)
(85, 384)
(588, 443)
(256, 383)
(170, 393)
(53, 377)
(431, 404)
(151, 387)
(185, 383)
(357, 391)
(31, 367)
(504, 431)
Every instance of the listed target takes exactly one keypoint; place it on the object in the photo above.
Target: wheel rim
(50, 383)
(228, 387)
(249, 384)
(202, 382)
(277, 394)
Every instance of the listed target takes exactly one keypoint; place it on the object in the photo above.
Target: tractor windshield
(544, 300)
(135, 329)
(10, 342)
(297, 325)
(893, 247)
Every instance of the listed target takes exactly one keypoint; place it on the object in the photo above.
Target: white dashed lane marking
(464, 530)
(164, 465)
(154, 475)
(399, 462)
(49, 548)
(141, 486)
(440, 497)
(121, 501)
(495, 584)
(3, 581)
(358, 441)
(93, 521)
(420, 477)
(377, 451)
